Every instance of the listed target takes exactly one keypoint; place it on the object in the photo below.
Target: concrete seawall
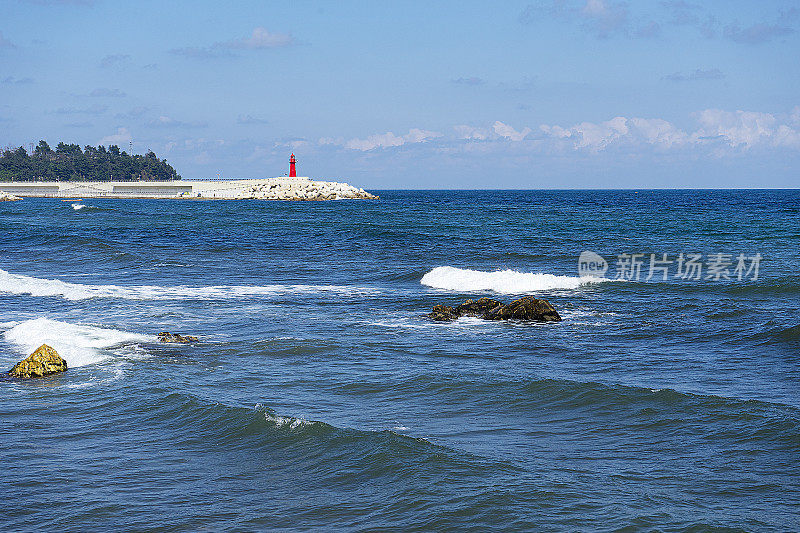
(261, 189)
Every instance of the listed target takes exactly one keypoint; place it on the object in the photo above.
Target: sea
(320, 397)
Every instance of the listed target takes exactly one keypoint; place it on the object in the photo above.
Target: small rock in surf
(177, 338)
(528, 309)
(42, 362)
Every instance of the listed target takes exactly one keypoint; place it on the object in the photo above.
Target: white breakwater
(79, 345)
(502, 281)
(258, 189)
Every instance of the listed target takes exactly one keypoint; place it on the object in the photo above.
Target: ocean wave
(779, 335)
(502, 281)
(21, 284)
(634, 405)
(79, 345)
(320, 447)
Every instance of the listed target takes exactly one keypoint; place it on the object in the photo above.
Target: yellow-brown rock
(44, 361)
(166, 336)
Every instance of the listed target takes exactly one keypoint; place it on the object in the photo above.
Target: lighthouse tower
(292, 170)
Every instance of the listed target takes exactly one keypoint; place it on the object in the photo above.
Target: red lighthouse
(292, 171)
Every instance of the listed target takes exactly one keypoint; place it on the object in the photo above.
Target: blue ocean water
(319, 396)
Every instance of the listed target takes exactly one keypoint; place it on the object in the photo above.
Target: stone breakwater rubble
(306, 190)
(5, 197)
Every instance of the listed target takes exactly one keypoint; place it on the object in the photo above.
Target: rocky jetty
(176, 338)
(527, 309)
(42, 362)
(8, 197)
(308, 190)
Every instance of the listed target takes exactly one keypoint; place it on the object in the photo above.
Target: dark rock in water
(42, 362)
(443, 313)
(527, 308)
(166, 336)
(477, 307)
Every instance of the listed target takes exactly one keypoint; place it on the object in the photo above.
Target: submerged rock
(443, 313)
(527, 309)
(166, 336)
(477, 307)
(42, 362)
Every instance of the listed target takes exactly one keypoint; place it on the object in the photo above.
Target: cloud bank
(385, 140)
(724, 131)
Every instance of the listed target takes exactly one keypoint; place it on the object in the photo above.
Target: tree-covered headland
(69, 163)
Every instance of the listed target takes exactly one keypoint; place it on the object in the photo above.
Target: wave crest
(502, 281)
(79, 345)
(21, 284)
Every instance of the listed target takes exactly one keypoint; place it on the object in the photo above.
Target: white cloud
(657, 131)
(504, 130)
(596, 137)
(468, 132)
(786, 136)
(737, 129)
(16, 81)
(389, 139)
(293, 144)
(416, 135)
(169, 122)
(717, 129)
(260, 38)
(375, 141)
(604, 18)
(796, 115)
(590, 135)
(745, 128)
(121, 137)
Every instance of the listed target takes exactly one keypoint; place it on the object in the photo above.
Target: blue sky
(553, 94)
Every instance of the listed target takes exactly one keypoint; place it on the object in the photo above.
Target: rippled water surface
(319, 396)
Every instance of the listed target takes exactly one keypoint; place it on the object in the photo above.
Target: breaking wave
(79, 345)
(502, 281)
(21, 284)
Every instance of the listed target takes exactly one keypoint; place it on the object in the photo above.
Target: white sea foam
(502, 281)
(286, 421)
(78, 207)
(21, 284)
(79, 345)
